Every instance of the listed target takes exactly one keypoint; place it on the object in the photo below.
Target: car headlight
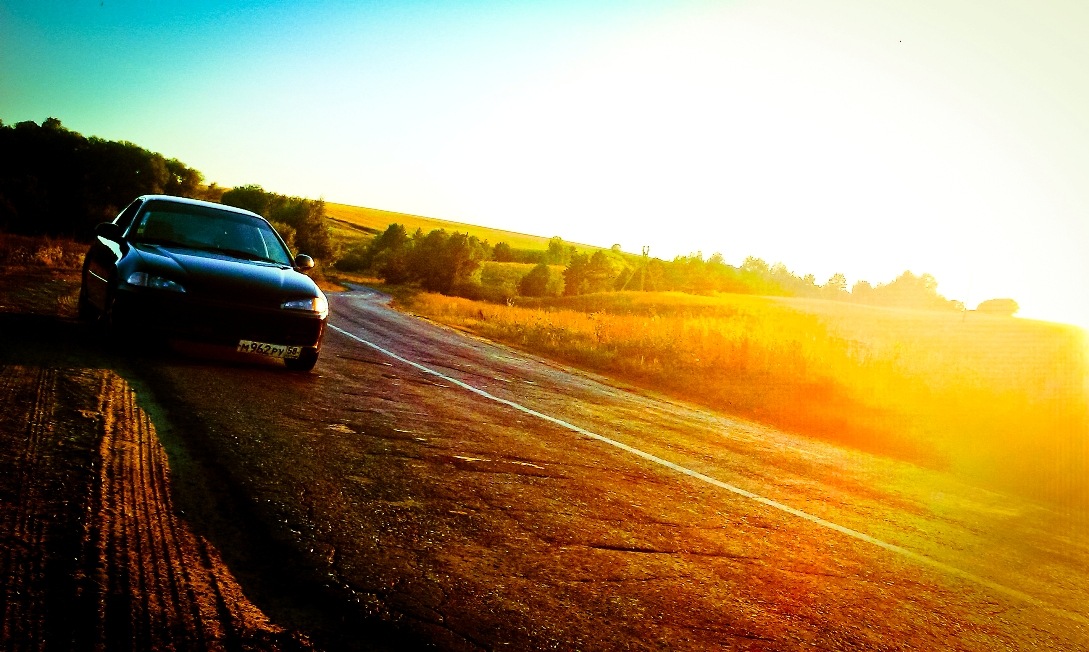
(314, 304)
(145, 280)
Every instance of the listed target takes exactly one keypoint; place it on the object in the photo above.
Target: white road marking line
(861, 536)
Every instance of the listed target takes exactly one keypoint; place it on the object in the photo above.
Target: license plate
(270, 350)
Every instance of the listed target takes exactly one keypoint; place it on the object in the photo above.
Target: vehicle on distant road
(195, 270)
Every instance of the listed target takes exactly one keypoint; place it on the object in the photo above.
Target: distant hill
(375, 221)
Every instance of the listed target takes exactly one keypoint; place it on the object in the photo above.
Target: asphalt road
(427, 489)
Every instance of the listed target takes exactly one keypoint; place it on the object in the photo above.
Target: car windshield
(207, 229)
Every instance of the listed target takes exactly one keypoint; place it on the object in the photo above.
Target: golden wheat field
(999, 399)
(377, 220)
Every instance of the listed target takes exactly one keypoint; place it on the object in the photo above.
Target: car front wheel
(86, 312)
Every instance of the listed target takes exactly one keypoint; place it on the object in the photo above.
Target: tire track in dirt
(124, 572)
(25, 528)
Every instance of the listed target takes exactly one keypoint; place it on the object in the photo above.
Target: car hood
(213, 275)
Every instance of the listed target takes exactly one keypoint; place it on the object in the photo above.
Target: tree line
(438, 261)
(448, 263)
(56, 182)
(755, 276)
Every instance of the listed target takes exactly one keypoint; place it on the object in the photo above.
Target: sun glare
(724, 133)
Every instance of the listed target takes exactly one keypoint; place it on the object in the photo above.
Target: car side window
(273, 249)
(156, 226)
(125, 217)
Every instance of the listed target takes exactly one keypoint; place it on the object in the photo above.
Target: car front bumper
(214, 321)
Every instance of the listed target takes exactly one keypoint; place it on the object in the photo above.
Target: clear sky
(949, 137)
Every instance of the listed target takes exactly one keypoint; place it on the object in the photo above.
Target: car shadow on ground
(47, 340)
(214, 502)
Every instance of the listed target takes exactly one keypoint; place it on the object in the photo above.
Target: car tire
(305, 361)
(107, 321)
(84, 310)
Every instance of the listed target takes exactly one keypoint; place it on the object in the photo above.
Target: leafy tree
(123, 171)
(536, 282)
(211, 192)
(575, 275)
(596, 273)
(354, 257)
(252, 198)
(503, 253)
(862, 292)
(654, 279)
(182, 181)
(426, 261)
(462, 256)
(558, 253)
(694, 274)
(438, 261)
(388, 255)
(835, 287)
(394, 237)
(755, 266)
(445, 263)
(760, 278)
(392, 265)
(306, 217)
(603, 272)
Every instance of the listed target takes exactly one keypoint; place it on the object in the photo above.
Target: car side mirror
(108, 230)
(302, 261)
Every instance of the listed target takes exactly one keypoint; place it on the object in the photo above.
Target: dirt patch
(92, 549)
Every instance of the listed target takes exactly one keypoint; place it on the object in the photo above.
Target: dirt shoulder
(92, 547)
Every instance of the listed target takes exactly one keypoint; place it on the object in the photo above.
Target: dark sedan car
(194, 270)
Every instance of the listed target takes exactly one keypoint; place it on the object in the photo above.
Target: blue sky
(844, 136)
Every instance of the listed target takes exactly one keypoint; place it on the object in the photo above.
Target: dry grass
(39, 275)
(40, 252)
(1002, 400)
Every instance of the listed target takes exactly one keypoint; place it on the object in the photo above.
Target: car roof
(198, 202)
